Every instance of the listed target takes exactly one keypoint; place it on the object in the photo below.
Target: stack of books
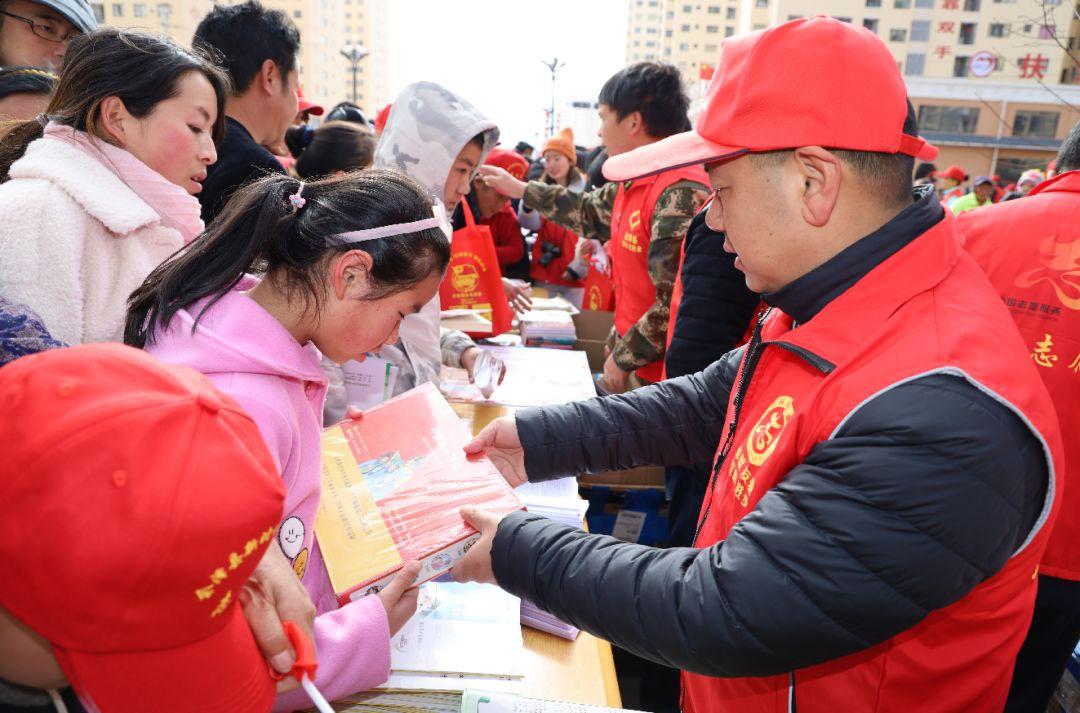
(548, 328)
(558, 500)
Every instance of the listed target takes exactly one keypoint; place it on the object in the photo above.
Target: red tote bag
(599, 292)
(473, 279)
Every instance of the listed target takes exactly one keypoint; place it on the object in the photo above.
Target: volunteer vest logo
(630, 239)
(759, 445)
(1060, 267)
(517, 171)
(595, 299)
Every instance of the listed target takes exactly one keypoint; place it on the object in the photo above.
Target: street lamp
(354, 53)
(554, 66)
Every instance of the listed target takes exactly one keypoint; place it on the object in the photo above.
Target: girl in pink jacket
(342, 260)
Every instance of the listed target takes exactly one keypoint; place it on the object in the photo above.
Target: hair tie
(296, 199)
(42, 119)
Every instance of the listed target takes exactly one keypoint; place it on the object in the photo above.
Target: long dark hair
(139, 68)
(260, 231)
(334, 146)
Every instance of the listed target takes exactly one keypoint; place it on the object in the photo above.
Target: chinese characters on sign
(1034, 67)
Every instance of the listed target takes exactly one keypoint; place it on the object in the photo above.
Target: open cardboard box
(592, 328)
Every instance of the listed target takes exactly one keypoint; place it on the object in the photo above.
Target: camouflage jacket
(589, 215)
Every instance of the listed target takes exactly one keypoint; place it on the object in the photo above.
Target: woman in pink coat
(342, 261)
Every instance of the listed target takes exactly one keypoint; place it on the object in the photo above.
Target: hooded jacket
(427, 128)
(250, 356)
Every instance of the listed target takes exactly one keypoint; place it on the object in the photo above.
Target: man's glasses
(46, 31)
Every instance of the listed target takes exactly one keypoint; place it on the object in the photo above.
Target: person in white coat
(99, 190)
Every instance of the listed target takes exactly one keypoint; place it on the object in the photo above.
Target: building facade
(326, 27)
(996, 83)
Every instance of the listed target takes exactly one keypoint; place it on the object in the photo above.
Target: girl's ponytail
(255, 225)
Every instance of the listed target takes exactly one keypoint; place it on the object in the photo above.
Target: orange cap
(563, 142)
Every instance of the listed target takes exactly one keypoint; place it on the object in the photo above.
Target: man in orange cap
(885, 456)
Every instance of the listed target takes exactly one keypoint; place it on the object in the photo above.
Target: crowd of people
(858, 376)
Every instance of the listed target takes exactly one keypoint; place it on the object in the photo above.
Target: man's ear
(349, 274)
(820, 173)
(634, 123)
(269, 77)
(114, 121)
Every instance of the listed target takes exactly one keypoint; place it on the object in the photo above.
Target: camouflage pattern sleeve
(587, 214)
(646, 340)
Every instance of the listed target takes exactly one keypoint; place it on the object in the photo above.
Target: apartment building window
(967, 33)
(1036, 124)
(758, 26)
(948, 119)
(297, 14)
(898, 35)
(711, 48)
(684, 47)
(729, 31)
(914, 65)
(730, 13)
(712, 29)
(667, 33)
(670, 14)
(794, 17)
(687, 8)
(844, 19)
(960, 66)
(651, 31)
(972, 5)
(139, 9)
(99, 12)
(117, 10)
(901, 4)
(920, 30)
(761, 3)
(873, 3)
(924, 3)
(871, 23)
(997, 29)
(684, 28)
(1047, 32)
(714, 9)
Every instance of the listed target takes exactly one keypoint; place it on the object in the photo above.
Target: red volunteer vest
(553, 272)
(631, 233)
(926, 309)
(1030, 250)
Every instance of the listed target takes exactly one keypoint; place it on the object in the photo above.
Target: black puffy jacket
(746, 606)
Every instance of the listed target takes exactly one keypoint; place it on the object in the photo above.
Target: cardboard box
(592, 328)
(635, 478)
(393, 483)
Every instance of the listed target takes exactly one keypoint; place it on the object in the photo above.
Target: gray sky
(490, 52)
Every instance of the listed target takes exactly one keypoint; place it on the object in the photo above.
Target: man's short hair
(242, 37)
(655, 90)
(1068, 158)
(885, 174)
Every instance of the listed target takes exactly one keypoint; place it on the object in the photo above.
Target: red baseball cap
(306, 106)
(513, 162)
(811, 82)
(954, 172)
(137, 500)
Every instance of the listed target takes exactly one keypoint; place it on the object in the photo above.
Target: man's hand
(518, 294)
(499, 441)
(274, 595)
(614, 379)
(500, 180)
(398, 599)
(475, 566)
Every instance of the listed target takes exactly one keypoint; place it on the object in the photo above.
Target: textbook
(393, 483)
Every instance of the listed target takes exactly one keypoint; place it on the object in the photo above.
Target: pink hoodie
(248, 354)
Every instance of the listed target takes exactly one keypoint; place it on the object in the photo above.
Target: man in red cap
(1030, 250)
(885, 454)
(951, 178)
(492, 209)
(137, 502)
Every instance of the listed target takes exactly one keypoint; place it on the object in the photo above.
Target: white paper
(366, 381)
(628, 525)
(461, 629)
(485, 701)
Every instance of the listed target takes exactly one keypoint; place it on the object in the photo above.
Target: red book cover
(393, 484)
